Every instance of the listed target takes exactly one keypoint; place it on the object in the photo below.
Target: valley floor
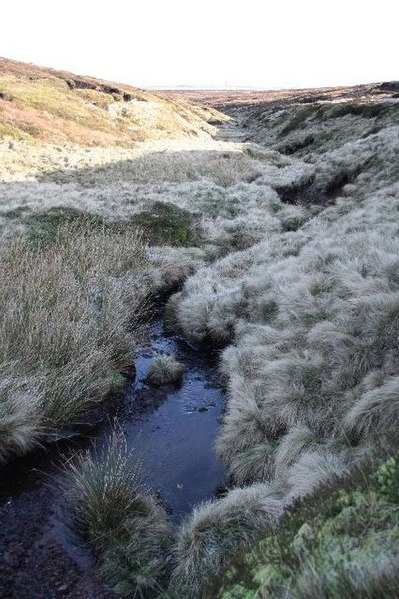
(280, 236)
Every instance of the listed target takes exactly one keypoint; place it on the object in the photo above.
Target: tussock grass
(292, 445)
(294, 271)
(123, 523)
(165, 370)
(208, 540)
(377, 410)
(21, 412)
(71, 315)
(322, 335)
(309, 317)
(170, 266)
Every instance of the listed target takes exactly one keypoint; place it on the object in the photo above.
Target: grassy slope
(310, 317)
(60, 107)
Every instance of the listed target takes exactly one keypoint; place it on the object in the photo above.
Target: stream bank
(171, 430)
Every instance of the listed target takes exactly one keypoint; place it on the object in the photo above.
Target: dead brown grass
(283, 97)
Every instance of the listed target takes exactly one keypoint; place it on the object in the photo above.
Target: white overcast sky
(253, 43)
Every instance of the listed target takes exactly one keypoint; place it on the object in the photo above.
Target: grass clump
(127, 529)
(71, 315)
(21, 413)
(310, 316)
(214, 533)
(165, 370)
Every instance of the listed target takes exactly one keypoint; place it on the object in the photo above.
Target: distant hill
(38, 103)
(224, 98)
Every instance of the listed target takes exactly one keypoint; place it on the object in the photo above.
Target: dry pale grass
(182, 159)
(65, 108)
(311, 323)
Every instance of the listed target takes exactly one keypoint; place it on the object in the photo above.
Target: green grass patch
(43, 227)
(165, 223)
(162, 223)
(16, 212)
(341, 544)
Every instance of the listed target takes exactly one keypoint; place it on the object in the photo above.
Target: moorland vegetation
(285, 247)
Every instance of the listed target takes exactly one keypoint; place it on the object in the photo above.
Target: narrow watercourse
(171, 430)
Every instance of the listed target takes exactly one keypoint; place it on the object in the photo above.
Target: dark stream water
(171, 430)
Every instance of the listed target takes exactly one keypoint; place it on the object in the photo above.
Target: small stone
(63, 587)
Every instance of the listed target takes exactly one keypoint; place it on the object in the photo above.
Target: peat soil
(171, 429)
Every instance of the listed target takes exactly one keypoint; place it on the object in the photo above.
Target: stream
(171, 429)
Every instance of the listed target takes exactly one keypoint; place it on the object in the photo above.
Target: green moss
(165, 223)
(43, 227)
(162, 223)
(16, 212)
(340, 544)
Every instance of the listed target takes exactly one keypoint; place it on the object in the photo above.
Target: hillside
(38, 103)
(230, 99)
